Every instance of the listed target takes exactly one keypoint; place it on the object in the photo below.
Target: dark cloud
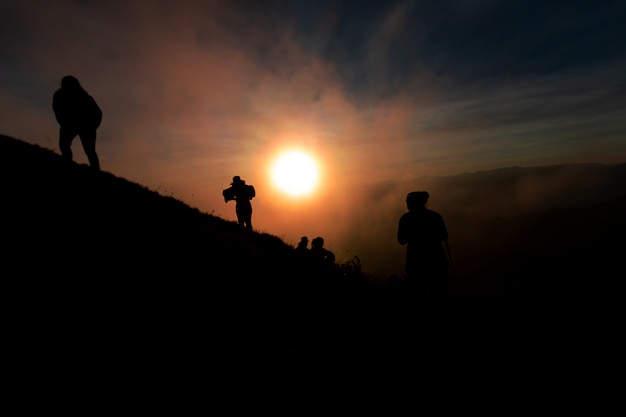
(474, 40)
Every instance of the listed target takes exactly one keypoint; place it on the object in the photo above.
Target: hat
(236, 178)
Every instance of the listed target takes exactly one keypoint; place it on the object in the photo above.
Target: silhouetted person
(319, 254)
(242, 193)
(303, 246)
(77, 114)
(425, 235)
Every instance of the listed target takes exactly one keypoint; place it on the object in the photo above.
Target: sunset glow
(332, 110)
(295, 173)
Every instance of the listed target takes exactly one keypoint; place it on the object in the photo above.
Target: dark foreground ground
(112, 289)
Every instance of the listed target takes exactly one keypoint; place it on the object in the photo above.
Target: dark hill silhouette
(138, 278)
(99, 267)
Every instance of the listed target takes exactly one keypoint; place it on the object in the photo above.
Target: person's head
(304, 239)
(416, 199)
(69, 82)
(318, 242)
(236, 180)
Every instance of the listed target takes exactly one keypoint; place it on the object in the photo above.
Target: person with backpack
(242, 193)
(78, 114)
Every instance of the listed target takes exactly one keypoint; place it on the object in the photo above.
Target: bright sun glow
(295, 173)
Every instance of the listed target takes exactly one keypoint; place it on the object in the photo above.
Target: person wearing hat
(242, 193)
(303, 247)
(425, 235)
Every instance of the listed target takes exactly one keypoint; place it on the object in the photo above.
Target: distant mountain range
(512, 226)
(513, 191)
(543, 224)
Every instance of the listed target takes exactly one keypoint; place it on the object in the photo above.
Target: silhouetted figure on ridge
(77, 114)
(425, 235)
(242, 193)
(303, 247)
(319, 254)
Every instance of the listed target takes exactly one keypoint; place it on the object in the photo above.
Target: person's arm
(96, 113)
(402, 236)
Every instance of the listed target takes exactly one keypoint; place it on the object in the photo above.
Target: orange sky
(196, 94)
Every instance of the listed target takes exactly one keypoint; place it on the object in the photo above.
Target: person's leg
(438, 294)
(244, 214)
(248, 220)
(88, 139)
(240, 215)
(66, 136)
(439, 288)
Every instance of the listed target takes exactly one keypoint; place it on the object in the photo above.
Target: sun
(295, 173)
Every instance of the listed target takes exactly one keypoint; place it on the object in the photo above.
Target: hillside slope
(82, 223)
(99, 267)
(89, 255)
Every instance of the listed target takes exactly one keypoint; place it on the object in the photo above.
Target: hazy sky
(379, 92)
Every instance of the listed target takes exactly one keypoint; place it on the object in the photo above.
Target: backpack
(251, 192)
(95, 113)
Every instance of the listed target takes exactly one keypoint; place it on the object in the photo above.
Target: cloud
(195, 92)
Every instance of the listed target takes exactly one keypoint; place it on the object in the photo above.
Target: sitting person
(303, 246)
(319, 253)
